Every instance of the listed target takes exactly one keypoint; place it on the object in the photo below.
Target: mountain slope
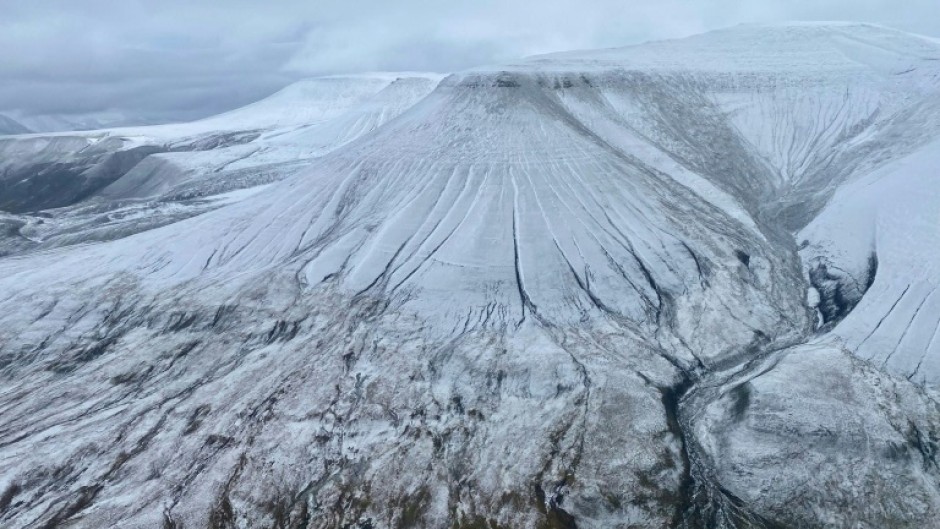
(10, 126)
(63, 123)
(345, 106)
(881, 232)
(116, 182)
(561, 293)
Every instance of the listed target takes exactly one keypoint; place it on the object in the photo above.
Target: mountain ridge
(9, 126)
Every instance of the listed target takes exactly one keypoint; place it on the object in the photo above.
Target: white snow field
(615, 288)
(891, 215)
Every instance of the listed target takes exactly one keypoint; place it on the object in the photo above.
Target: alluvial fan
(615, 288)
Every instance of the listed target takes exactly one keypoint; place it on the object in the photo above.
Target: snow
(593, 252)
(836, 49)
(300, 104)
(10, 126)
(892, 213)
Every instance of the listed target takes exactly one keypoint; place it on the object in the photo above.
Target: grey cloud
(177, 59)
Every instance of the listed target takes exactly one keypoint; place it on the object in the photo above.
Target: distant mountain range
(73, 122)
(11, 126)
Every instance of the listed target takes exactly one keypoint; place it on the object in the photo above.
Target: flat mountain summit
(690, 283)
(829, 48)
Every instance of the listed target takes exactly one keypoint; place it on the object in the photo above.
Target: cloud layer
(177, 59)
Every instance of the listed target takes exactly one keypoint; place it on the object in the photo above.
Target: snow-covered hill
(566, 292)
(119, 181)
(879, 237)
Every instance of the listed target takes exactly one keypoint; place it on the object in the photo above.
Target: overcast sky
(183, 59)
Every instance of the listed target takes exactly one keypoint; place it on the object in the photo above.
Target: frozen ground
(569, 292)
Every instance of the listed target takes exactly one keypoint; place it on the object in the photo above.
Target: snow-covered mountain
(119, 181)
(9, 126)
(50, 123)
(615, 288)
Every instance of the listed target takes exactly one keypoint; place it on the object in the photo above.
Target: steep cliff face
(563, 293)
